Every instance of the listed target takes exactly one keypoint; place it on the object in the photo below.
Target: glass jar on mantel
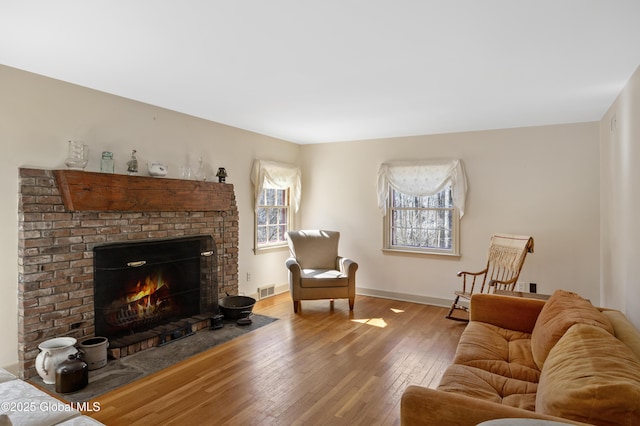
(107, 164)
(78, 155)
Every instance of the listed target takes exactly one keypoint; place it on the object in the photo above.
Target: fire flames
(150, 286)
(144, 301)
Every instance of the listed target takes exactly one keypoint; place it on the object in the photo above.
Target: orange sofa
(562, 360)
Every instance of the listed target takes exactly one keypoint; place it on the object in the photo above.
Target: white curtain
(269, 174)
(422, 178)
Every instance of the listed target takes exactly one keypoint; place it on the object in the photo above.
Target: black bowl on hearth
(234, 307)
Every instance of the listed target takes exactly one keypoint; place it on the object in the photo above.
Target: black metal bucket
(234, 307)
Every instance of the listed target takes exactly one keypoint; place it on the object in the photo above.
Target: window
(272, 218)
(277, 190)
(422, 223)
(422, 202)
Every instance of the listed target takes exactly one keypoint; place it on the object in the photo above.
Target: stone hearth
(56, 241)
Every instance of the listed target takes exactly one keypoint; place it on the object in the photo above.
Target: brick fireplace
(63, 215)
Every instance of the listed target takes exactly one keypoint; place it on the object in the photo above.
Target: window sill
(421, 252)
(271, 248)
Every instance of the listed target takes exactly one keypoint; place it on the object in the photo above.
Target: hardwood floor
(323, 366)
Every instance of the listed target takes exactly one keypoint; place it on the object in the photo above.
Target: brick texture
(55, 257)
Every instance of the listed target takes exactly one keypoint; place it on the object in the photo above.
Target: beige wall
(620, 201)
(542, 181)
(37, 117)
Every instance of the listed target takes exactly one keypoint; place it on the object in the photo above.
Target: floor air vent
(266, 291)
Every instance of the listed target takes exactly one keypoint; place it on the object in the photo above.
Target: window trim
(280, 244)
(455, 233)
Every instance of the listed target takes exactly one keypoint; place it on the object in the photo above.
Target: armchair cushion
(323, 278)
(315, 249)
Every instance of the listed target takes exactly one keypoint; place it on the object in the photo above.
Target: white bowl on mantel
(157, 169)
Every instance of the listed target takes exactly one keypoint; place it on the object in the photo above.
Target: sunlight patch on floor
(376, 322)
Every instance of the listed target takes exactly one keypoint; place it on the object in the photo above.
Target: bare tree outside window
(422, 223)
(272, 217)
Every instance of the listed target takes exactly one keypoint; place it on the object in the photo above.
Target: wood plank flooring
(323, 366)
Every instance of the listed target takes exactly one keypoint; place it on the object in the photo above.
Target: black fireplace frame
(147, 254)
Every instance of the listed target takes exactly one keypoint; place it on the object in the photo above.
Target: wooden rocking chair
(504, 263)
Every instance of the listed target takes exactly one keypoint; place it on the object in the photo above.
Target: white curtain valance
(269, 174)
(422, 178)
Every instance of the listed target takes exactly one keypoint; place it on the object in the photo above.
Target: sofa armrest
(513, 313)
(424, 406)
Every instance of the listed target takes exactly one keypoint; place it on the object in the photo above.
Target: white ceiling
(331, 70)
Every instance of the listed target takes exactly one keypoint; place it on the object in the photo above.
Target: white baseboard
(282, 288)
(405, 297)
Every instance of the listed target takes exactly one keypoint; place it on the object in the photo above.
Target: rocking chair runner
(504, 263)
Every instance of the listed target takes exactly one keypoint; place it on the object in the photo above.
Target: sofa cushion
(562, 310)
(482, 384)
(497, 350)
(25, 404)
(624, 330)
(80, 421)
(592, 377)
(493, 364)
(5, 376)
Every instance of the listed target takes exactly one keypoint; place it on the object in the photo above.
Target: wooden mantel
(90, 191)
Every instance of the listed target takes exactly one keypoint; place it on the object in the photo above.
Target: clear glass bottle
(201, 174)
(185, 172)
(107, 164)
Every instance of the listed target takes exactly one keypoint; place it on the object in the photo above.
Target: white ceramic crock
(52, 353)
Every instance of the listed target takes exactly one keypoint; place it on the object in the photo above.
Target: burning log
(145, 302)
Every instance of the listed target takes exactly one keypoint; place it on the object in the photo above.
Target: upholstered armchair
(315, 269)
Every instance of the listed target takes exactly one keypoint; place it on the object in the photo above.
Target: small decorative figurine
(222, 175)
(132, 165)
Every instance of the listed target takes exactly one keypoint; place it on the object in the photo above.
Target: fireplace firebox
(139, 286)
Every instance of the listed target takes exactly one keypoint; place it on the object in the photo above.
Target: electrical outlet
(520, 286)
(533, 288)
(248, 277)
